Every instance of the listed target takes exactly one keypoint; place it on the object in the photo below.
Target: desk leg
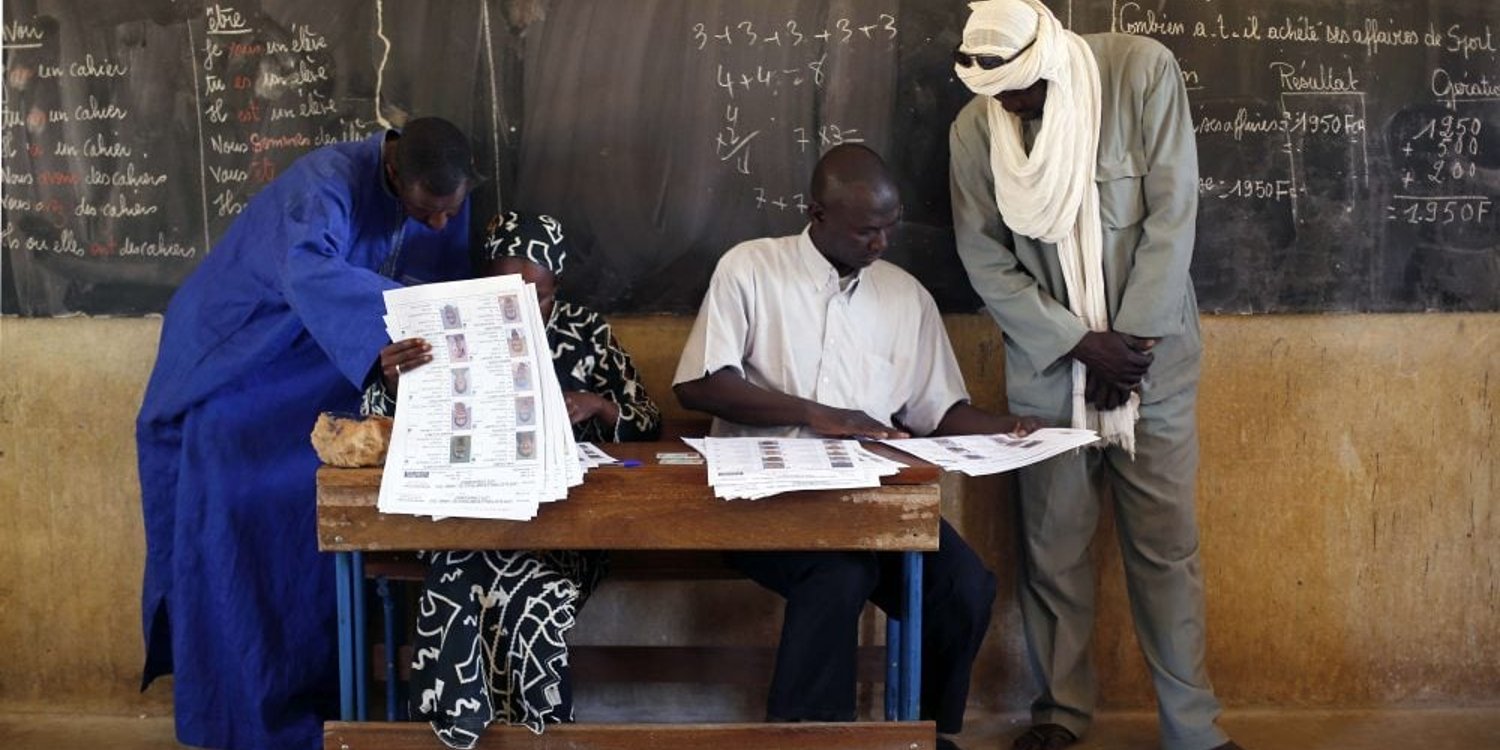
(388, 619)
(341, 570)
(911, 636)
(361, 639)
(892, 667)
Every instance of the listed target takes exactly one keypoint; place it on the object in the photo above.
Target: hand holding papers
(482, 430)
(978, 455)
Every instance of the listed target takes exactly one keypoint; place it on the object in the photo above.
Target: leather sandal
(1045, 737)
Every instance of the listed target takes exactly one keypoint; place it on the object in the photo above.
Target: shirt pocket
(876, 382)
(1122, 202)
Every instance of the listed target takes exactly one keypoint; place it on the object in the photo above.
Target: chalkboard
(135, 131)
(1348, 151)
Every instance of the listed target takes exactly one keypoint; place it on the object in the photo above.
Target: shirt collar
(816, 268)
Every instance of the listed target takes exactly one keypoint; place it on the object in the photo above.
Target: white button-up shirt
(776, 313)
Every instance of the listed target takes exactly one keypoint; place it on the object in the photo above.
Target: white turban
(998, 28)
(1050, 193)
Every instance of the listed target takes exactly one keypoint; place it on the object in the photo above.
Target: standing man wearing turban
(1074, 176)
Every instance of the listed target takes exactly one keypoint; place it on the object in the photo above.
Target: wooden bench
(905, 735)
(650, 509)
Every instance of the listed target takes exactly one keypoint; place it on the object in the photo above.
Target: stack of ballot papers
(752, 468)
(481, 431)
(977, 455)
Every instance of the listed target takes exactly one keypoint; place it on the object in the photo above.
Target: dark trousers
(825, 593)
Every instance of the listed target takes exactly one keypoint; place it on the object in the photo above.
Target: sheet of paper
(978, 455)
(590, 455)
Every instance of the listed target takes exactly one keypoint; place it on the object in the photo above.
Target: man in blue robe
(283, 320)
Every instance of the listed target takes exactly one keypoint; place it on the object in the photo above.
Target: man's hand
(401, 357)
(964, 418)
(727, 395)
(850, 423)
(1113, 358)
(1102, 394)
(1026, 425)
(583, 405)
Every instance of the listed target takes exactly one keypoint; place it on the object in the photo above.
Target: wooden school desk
(649, 507)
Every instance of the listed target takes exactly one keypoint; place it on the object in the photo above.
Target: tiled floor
(1445, 729)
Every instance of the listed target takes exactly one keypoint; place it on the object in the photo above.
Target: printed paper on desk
(752, 468)
(590, 455)
(978, 455)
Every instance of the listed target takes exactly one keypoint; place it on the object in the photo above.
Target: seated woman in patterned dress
(501, 616)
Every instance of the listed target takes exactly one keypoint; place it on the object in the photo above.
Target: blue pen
(630, 463)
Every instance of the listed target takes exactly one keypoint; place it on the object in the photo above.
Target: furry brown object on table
(346, 442)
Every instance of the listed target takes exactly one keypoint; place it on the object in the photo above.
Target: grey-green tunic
(1147, 179)
(1148, 199)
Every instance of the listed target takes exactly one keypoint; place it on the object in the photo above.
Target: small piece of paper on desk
(591, 455)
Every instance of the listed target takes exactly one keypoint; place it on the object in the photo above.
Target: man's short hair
(845, 165)
(436, 154)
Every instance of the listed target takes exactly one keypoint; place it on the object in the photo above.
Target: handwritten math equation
(754, 63)
(843, 31)
(1444, 149)
(1442, 155)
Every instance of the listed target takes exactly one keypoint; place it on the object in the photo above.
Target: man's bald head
(848, 169)
(854, 206)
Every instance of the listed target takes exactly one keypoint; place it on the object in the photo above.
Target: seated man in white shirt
(815, 335)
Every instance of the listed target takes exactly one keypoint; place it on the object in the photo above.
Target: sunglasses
(986, 62)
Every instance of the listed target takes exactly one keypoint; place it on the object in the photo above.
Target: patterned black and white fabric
(490, 639)
(587, 357)
(536, 237)
(491, 624)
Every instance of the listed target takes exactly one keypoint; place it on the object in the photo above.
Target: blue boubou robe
(282, 320)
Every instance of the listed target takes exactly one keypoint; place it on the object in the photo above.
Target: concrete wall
(1348, 512)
